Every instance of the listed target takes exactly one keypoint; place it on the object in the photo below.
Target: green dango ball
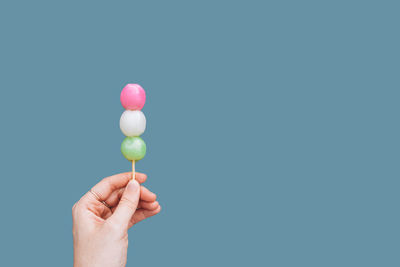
(133, 148)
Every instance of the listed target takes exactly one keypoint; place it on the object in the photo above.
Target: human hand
(102, 217)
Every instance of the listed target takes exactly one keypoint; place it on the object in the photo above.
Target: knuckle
(108, 182)
(76, 209)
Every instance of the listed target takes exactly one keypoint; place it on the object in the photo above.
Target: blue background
(273, 128)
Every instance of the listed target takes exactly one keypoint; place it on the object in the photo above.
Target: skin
(101, 233)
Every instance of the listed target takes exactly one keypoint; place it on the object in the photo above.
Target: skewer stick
(133, 169)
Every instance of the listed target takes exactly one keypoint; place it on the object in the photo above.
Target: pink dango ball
(133, 97)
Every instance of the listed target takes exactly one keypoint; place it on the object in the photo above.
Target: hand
(102, 217)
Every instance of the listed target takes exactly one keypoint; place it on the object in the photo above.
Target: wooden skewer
(133, 169)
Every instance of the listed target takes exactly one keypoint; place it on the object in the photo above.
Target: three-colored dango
(133, 123)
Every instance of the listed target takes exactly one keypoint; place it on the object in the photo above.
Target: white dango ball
(132, 122)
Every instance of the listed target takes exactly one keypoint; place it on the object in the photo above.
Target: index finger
(108, 185)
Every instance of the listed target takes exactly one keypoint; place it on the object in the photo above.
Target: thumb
(128, 203)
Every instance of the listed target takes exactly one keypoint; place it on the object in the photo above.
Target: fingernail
(132, 186)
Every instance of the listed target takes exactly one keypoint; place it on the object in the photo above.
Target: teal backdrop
(272, 136)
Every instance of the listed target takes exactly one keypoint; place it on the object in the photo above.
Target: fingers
(140, 177)
(128, 204)
(107, 186)
(142, 205)
(147, 195)
(114, 198)
(148, 205)
(142, 214)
